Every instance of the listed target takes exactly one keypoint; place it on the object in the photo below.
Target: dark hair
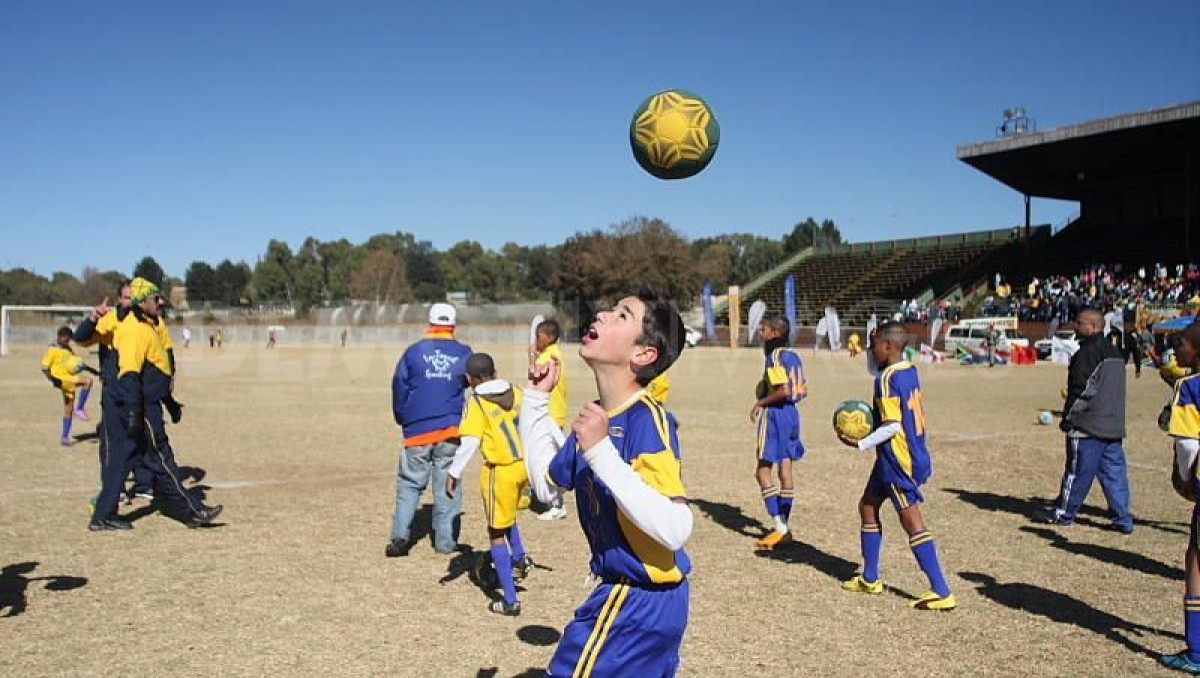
(779, 323)
(481, 366)
(550, 328)
(892, 331)
(662, 330)
(65, 331)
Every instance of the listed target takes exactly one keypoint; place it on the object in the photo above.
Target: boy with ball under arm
(902, 465)
(622, 460)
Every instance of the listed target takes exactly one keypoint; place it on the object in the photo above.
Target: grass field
(298, 444)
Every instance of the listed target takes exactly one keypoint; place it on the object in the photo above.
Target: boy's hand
(591, 426)
(451, 486)
(847, 441)
(543, 377)
(755, 412)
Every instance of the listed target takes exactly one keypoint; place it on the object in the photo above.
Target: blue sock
(785, 503)
(871, 539)
(515, 544)
(770, 497)
(925, 549)
(503, 562)
(66, 428)
(1191, 625)
(81, 399)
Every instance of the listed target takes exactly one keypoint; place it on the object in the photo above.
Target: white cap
(442, 314)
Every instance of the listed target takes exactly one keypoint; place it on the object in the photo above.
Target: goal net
(35, 325)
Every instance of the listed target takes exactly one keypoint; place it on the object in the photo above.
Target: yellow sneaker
(932, 601)
(859, 585)
(774, 538)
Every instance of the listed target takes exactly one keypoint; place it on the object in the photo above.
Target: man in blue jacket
(427, 402)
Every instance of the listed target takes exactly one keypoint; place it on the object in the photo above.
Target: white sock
(780, 526)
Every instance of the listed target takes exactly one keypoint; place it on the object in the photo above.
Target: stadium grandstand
(1136, 178)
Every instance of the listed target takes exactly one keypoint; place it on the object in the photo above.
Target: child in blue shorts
(902, 465)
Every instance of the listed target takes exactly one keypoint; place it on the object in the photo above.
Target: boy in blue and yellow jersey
(780, 390)
(62, 367)
(546, 344)
(133, 419)
(1185, 431)
(902, 465)
(659, 388)
(427, 402)
(622, 459)
(489, 425)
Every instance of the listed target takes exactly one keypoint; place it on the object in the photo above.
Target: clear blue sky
(199, 130)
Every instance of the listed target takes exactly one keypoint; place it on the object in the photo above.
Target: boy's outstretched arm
(666, 520)
(539, 433)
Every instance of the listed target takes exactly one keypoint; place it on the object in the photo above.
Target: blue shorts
(779, 434)
(903, 492)
(623, 630)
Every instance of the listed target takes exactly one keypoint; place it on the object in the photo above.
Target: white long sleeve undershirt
(1186, 450)
(880, 435)
(466, 449)
(542, 439)
(663, 519)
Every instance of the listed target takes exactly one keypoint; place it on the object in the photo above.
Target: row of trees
(396, 268)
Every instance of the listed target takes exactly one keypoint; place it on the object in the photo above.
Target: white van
(973, 336)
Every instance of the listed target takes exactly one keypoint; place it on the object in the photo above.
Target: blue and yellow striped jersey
(1185, 408)
(496, 428)
(647, 440)
(785, 368)
(659, 388)
(898, 398)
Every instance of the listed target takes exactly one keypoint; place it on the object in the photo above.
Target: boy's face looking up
(613, 339)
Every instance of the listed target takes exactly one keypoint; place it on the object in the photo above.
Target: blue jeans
(417, 464)
(1088, 459)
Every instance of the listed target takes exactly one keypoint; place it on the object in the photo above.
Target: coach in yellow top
(134, 422)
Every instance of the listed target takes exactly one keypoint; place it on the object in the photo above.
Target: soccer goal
(35, 324)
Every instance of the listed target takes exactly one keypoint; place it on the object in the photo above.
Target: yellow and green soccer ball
(674, 134)
(853, 420)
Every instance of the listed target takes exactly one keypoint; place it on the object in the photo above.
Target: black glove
(174, 408)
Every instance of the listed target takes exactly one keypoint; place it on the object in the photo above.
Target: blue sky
(199, 130)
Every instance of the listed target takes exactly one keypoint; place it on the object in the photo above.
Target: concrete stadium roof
(1061, 162)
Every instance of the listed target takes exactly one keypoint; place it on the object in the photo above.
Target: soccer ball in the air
(1045, 418)
(674, 134)
(853, 420)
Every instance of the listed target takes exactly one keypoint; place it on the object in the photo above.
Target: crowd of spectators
(1097, 286)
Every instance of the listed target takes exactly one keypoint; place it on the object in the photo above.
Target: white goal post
(6, 322)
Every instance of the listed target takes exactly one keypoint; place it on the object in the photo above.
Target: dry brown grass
(299, 445)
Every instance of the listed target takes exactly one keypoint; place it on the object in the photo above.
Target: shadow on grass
(1033, 507)
(1064, 609)
(1105, 554)
(527, 673)
(536, 634)
(729, 517)
(14, 583)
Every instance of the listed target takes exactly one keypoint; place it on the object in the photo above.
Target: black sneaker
(522, 567)
(397, 548)
(106, 524)
(506, 609)
(205, 516)
(1054, 518)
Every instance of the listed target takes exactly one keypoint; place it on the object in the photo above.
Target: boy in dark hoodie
(489, 424)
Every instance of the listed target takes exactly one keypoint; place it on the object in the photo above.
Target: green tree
(149, 269)
(272, 277)
(21, 286)
(66, 289)
(233, 281)
(809, 233)
(202, 284)
(380, 278)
